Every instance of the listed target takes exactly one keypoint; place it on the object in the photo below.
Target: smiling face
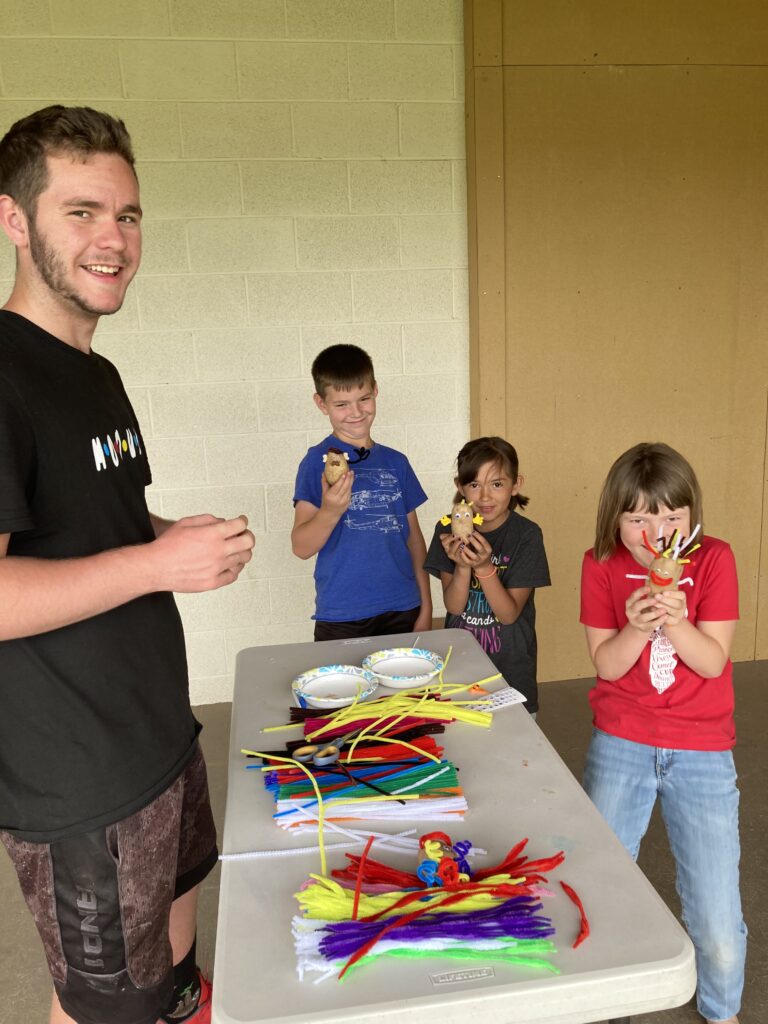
(351, 412)
(663, 575)
(490, 493)
(84, 241)
(664, 521)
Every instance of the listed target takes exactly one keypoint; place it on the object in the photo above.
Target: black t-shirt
(521, 562)
(95, 718)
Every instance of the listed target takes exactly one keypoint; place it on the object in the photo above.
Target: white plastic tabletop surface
(636, 960)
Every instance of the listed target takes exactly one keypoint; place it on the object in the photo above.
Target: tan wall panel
(647, 32)
(761, 640)
(634, 214)
(636, 266)
(483, 33)
(488, 341)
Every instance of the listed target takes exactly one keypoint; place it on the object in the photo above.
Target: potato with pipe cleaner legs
(336, 465)
(462, 521)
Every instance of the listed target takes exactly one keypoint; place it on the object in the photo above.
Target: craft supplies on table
(370, 910)
(371, 772)
(352, 789)
(637, 960)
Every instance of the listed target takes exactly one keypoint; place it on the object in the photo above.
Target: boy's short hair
(645, 477)
(342, 367)
(78, 132)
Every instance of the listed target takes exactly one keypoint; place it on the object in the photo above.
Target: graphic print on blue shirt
(365, 566)
(372, 506)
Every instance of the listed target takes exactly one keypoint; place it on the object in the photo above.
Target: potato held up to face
(463, 521)
(336, 464)
(663, 574)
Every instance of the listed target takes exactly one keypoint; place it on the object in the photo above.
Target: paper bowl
(402, 668)
(333, 686)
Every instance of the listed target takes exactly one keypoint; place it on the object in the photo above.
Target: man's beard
(51, 269)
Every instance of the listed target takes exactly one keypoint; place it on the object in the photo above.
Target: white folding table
(636, 960)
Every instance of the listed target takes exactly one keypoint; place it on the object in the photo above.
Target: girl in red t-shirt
(663, 701)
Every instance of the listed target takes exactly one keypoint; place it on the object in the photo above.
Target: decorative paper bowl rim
(303, 685)
(403, 653)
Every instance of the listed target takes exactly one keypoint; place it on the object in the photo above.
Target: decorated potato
(336, 464)
(664, 574)
(666, 568)
(461, 520)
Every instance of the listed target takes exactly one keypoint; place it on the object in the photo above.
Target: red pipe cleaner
(650, 547)
(359, 882)
(510, 858)
(458, 893)
(378, 873)
(584, 930)
(543, 865)
(441, 837)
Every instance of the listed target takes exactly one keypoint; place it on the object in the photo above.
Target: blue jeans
(700, 807)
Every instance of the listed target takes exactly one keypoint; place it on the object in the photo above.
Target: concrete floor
(564, 717)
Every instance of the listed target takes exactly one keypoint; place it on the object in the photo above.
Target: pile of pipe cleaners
(373, 760)
(378, 760)
(368, 910)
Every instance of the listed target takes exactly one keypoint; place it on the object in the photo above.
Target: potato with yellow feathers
(461, 520)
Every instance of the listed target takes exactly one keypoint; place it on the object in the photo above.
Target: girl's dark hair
(78, 132)
(342, 367)
(477, 453)
(643, 478)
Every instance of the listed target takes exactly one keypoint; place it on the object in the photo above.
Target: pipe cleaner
(492, 915)
(665, 570)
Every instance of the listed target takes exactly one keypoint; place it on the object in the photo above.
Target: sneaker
(193, 1010)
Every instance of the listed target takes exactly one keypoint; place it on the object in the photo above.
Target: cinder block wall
(302, 173)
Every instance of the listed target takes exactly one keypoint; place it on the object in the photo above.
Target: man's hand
(200, 553)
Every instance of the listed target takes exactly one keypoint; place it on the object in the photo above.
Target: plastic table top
(636, 960)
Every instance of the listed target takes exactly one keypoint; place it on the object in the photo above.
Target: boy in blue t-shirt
(363, 528)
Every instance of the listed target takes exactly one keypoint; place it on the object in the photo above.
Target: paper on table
(503, 698)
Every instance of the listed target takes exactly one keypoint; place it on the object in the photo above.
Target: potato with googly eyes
(461, 520)
(336, 465)
(664, 574)
(666, 568)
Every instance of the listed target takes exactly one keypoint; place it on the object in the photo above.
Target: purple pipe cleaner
(461, 849)
(516, 918)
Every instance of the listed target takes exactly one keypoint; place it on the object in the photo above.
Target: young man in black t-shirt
(103, 798)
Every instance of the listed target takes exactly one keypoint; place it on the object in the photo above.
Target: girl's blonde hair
(642, 479)
(477, 453)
